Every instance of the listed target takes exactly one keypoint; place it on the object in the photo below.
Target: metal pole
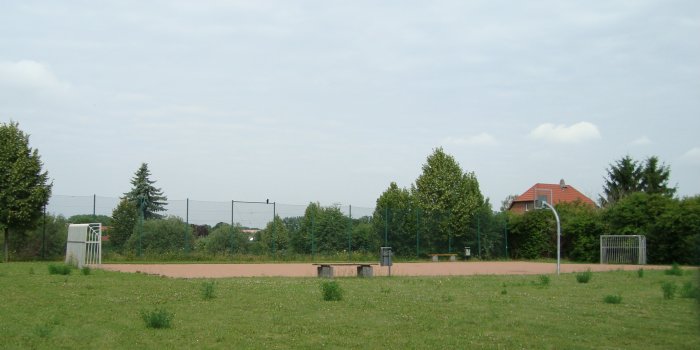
(505, 231)
(558, 235)
(94, 200)
(141, 202)
(274, 225)
(478, 234)
(313, 250)
(187, 222)
(233, 237)
(386, 226)
(417, 231)
(350, 233)
(43, 237)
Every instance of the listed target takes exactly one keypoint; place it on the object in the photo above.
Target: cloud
(482, 139)
(575, 133)
(31, 75)
(692, 155)
(642, 141)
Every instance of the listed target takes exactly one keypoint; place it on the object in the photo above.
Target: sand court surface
(398, 269)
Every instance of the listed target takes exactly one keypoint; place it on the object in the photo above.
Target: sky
(331, 101)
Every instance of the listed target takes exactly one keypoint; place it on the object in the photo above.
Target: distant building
(556, 193)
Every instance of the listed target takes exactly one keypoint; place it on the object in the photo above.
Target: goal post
(623, 249)
(84, 244)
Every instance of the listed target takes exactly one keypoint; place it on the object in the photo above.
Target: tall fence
(237, 227)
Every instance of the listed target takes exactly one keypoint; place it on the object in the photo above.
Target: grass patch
(543, 280)
(640, 273)
(157, 318)
(669, 290)
(45, 312)
(331, 291)
(613, 299)
(85, 270)
(690, 291)
(584, 277)
(208, 290)
(60, 269)
(675, 270)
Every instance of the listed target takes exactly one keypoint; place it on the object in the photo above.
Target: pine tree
(148, 198)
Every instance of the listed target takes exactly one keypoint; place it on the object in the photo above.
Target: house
(552, 193)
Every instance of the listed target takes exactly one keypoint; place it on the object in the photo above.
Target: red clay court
(398, 269)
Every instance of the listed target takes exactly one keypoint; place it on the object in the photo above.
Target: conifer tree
(148, 199)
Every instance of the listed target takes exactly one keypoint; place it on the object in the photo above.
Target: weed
(331, 291)
(158, 318)
(584, 277)
(43, 331)
(31, 270)
(640, 273)
(688, 291)
(448, 298)
(208, 290)
(86, 270)
(60, 269)
(675, 270)
(504, 291)
(613, 299)
(544, 280)
(669, 290)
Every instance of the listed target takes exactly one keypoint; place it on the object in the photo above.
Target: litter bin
(467, 253)
(385, 256)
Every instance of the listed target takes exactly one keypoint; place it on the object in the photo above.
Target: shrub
(669, 290)
(158, 318)
(60, 269)
(208, 290)
(544, 280)
(584, 277)
(640, 273)
(675, 270)
(688, 291)
(613, 299)
(86, 270)
(331, 291)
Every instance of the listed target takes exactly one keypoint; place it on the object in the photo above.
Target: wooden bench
(453, 256)
(326, 269)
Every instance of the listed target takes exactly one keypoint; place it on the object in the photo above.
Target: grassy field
(104, 310)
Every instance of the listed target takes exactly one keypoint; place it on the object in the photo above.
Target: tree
(628, 176)
(623, 178)
(394, 219)
(124, 218)
(449, 198)
(148, 198)
(24, 187)
(654, 178)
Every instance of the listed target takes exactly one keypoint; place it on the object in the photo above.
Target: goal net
(617, 249)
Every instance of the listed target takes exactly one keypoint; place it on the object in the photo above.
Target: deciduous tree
(24, 186)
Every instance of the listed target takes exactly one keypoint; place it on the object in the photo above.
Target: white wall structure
(84, 244)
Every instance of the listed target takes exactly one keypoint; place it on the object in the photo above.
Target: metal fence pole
(386, 226)
(350, 232)
(187, 223)
(94, 205)
(478, 234)
(233, 236)
(274, 226)
(43, 236)
(505, 232)
(417, 215)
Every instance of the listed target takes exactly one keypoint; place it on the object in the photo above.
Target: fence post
(140, 224)
(478, 234)
(94, 201)
(43, 237)
(313, 239)
(386, 226)
(233, 235)
(187, 224)
(505, 232)
(417, 215)
(274, 226)
(350, 232)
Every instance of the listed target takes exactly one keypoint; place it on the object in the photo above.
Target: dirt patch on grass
(399, 269)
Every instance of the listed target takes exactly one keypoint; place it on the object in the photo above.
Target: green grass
(60, 269)
(675, 270)
(613, 299)
(208, 290)
(104, 311)
(584, 277)
(157, 318)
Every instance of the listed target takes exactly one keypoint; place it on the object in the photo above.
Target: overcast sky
(330, 101)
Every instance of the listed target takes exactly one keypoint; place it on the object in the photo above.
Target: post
(386, 226)
(43, 236)
(274, 225)
(417, 231)
(187, 222)
(350, 232)
(313, 251)
(505, 232)
(478, 234)
(141, 203)
(556, 216)
(233, 237)
(94, 201)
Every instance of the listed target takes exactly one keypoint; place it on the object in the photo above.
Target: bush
(613, 299)
(675, 270)
(158, 318)
(688, 291)
(640, 273)
(584, 277)
(60, 269)
(86, 270)
(669, 290)
(331, 291)
(162, 236)
(208, 290)
(544, 280)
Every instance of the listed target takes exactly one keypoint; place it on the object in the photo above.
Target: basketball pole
(558, 234)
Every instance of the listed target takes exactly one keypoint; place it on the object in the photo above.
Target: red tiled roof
(560, 194)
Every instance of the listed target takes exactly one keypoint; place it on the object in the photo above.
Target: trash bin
(467, 253)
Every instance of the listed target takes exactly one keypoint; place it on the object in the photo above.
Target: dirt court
(399, 269)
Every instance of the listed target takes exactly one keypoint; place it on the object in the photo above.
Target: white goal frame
(84, 244)
(623, 249)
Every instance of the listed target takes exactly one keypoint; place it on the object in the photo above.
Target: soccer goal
(615, 249)
(84, 244)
